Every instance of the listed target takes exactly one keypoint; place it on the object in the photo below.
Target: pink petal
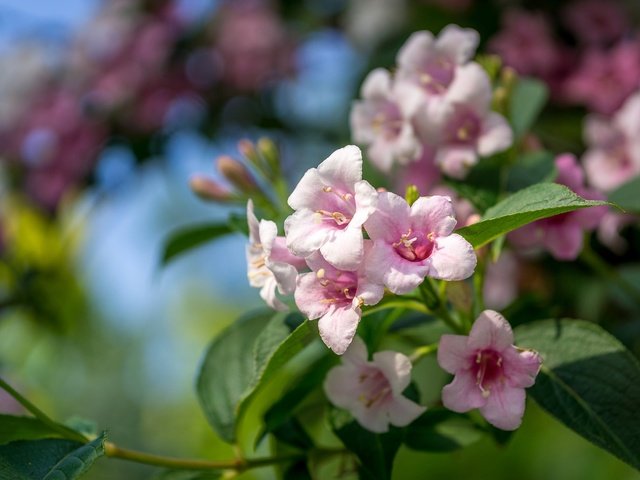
(366, 201)
(306, 232)
(458, 44)
(409, 98)
(338, 327)
(434, 214)
(490, 330)
(414, 52)
(564, 241)
(471, 86)
(407, 146)
(504, 407)
(462, 394)
(452, 259)
(627, 119)
(267, 233)
(384, 265)
(306, 193)
(360, 123)
(380, 153)
(343, 168)
(368, 292)
(374, 419)
(343, 248)
(309, 296)
(456, 161)
(496, 135)
(521, 367)
(284, 274)
(268, 294)
(403, 411)
(280, 253)
(356, 354)
(396, 367)
(340, 387)
(254, 226)
(453, 353)
(390, 220)
(377, 85)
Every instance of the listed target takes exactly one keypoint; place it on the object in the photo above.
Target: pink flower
(613, 157)
(382, 120)
(372, 390)
(431, 63)
(331, 203)
(462, 125)
(595, 21)
(490, 372)
(269, 264)
(413, 242)
(562, 234)
(501, 281)
(609, 230)
(335, 297)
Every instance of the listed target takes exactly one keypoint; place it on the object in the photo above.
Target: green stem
(421, 352)
(40, 415)
(590, 258)
(395, 303)
(435, 304)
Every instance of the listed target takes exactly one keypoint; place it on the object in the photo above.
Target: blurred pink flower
(610, 227)
(490, 372)
(595, 21)
(372, 390)
(501, 281)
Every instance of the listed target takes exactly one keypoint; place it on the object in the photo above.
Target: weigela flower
(462, 125)
(270, 265)
(413, 242)
(372, 390)
(382, 120)
(490, 372)
(335, 297)
(562, 235)
(431, 63)
(331, 203)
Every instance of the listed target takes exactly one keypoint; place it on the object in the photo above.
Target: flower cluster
(437, 106)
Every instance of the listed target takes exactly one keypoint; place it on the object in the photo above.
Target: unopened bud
(501, 100)
(412, 194)
(248, 150)
(491, 64)
(267, 148)
(508, 78)
(208, 189)
(237, 174)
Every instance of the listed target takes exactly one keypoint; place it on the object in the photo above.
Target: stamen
(320, 273)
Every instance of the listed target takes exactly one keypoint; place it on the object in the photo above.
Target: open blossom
(335, 297)
(613, 157)
(595, 21)
(382, 120)
(331, 203)
(562, 235)
(270, 265)
(432, 63)
(490, 372)
(462, 125)
(372, 390)
(413, 242)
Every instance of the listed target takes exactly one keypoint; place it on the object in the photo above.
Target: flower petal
(396, 367)
(452, 258)
(459, 44)
(252, 221)
(366, 201)
(504, 407)
(309, 296)
(384, 265)
(338, 327)
(343, 168)
(344, 248)
(356, 354)
(456, 161)
(377, 85)
(340, 387)
(306, 232)
(268, 294)
(434, 214)
(391, 218)
(404, 411)
(417, 49)
(521, 367)
(491, 330)
(471, 86)
(453, 353)
(462, 394)
(307, 191)
(496, 135)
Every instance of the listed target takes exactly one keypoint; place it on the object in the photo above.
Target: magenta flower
(331, 203)
(490, 372)
(562, 235)
(270, 265)
(462, 125)
(382, 120)
(431, 63)
(372, 390)
(595, 21)
(413, 242)
(335, 297)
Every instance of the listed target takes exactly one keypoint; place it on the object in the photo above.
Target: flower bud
(267, 148)
(412, 194)
(248, 150)
(237, 174)
(207, 189)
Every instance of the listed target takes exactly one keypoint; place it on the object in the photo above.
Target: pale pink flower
(335, 297)
(462, 125)
(610, 227)
(501, 281)
(431, 63)
(372, 390)
(382, 120)
(613, 156)
(413, 242)
(595, 21)
(270, 265)
(490, 372)
(331, 203)
(562, 235)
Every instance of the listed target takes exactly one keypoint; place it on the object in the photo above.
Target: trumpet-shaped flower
(413, 242)
(490, 372)
(270, 265)
(331, 203)
(335, 297)
(382, 120)
(372, 390)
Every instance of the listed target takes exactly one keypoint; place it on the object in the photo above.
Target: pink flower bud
(208, 189)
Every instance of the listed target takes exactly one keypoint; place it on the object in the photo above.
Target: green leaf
(482, 183)
(24, 428)
(186, 239)
(241, 360)
(532, 168)
(589, 381)
(49, 459)
(187, 475)
(440, 430)
(533, 203)
(375, 451)
(528, 98)
(627, 197)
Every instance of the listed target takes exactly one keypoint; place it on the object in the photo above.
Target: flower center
(436, 75)
(374, 388)
(340, 289)
(487, 368)
(338, 206)
(414, 247)
(387, 121)
(464, 128)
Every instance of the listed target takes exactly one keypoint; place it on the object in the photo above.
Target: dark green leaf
(482, 183)
(527, 101)
(533, 203)
(48, 459)
(440, 430)
(375, 452)
(23, 428)
(532, 168)
(589, 381)
(184, 240)
(238, 223)
(627, 196)
(187, 475)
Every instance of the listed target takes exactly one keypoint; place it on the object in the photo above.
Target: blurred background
(107, 108)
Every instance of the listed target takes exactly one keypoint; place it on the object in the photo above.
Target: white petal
(343, 168)
(396, 368)
(415, 51)
(471, 86)
(458, 44)
(377, 85)
(268, 294)
(403, 411)
(338, 326)
(344, 249)
(452, 258)
(308, 191)
(306, 232)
